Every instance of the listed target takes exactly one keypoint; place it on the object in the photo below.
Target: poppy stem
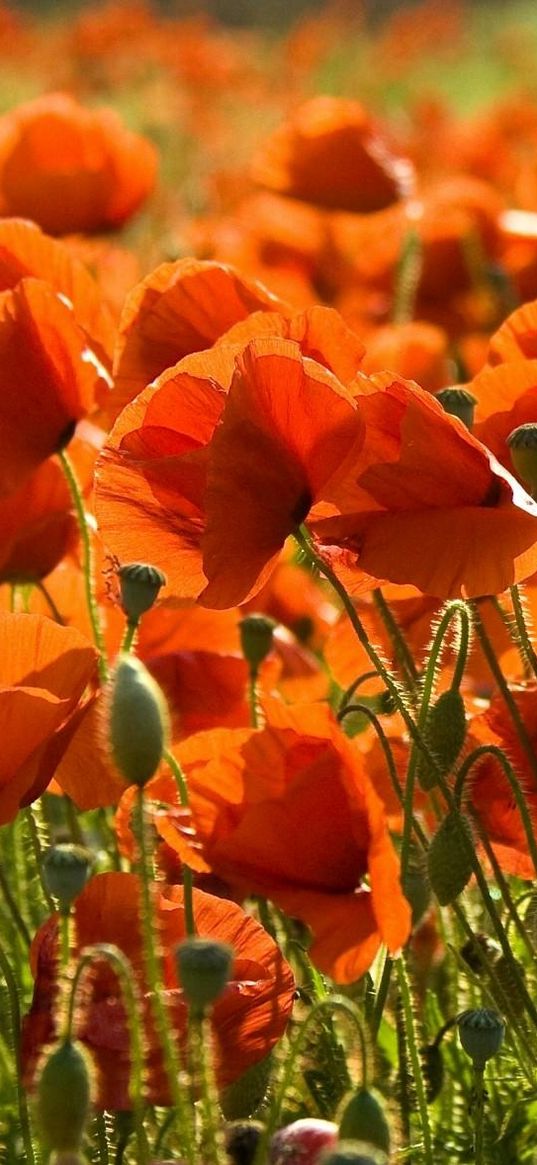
(188, 879)
(156, 987)
(505, 691)
(401, 648)
(211, 1147)
(112, 954)
(13, 908)
(522, 635)
(415, 1060)
(87, 562)
(56, 614)
(24, 1116)
(479, 1112)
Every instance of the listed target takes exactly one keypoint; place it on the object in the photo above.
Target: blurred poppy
(44, 670)
(248, 1018)
(290, 813)
(72, 169)
(416, 350)
(37, 526)
(334, 155)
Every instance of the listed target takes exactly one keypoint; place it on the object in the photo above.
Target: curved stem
(503, 687)
(523, 637)
(188, 880)
(24, 1115)
(87, 563)
(499, 755)
(129, 637)
(401, 649)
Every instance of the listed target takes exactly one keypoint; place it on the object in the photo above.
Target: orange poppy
(37, 526)
(179, 308)
(416, 350)
(47, 381)
(248, 1018)
(334, 155)
(289, 812)
(44, 669)
(72, 169)
(236, 471)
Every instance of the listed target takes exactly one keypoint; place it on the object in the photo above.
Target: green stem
(415, 1060)
(125, 975)
(211, 1147)
(188, 879)
(401, 649)
(129, 637)
(56, 614)
(156, 987)
(33, 830)
(523, 638)
(381, 996)
(13, 908)
(479, 1112)
(255, 718)
(407, 277)
(24, 1116)
(503, 687)
(87, 563)
(499, 755)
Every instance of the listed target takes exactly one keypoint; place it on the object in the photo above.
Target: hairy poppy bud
(138, 721)
(63, 1098)
(204, 967)
(479, 952)
(256, 632)
(449, 859)
(416, 888)
(140, 584)
(458, 402)
(241, 1141)
(481, 1033)
(65, 872)
(444, 733)
(522, 444)
(363, 1117)
(354, 1153)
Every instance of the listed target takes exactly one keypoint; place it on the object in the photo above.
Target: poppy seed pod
(65, 872)
(204, 967)
(64, 1097)
(137, 721)
(522, 444)
(458, 402)
(256, 632)
(140, 584)
(481, 1033)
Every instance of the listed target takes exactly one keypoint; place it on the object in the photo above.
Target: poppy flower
(179, 308)
(247, 1020)
(44, 669)
(224, 460)
(333, 154)
(289, 813)
(37, 526)
(72, 169)
(416, 350)
(47, 381)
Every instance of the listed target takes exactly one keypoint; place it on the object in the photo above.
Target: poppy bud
(479, 952)
(140, 584)
(204, 967)
(458, 402)
(363, 1116)
(522, 444)
(354, 1153)
(449, 858)
(506, 984)
(243, 1096)
(416, 890)
(138, 721)
(64, 1096)
(481, 1033)
(65, 872)
(256, 632)
(241, 1141)
(444, 733)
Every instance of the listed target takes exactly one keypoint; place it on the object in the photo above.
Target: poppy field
(268, 586)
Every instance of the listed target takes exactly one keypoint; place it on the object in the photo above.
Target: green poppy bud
(444, 733)
(203, 967)
(416, 888)
(458, 402)
(243, 1096)
(64, 1097)
(257, 633)
(362, 1118)
(449, 858)
(522, 444)
(138, 721)
(140, 584)
(481, 1033)
(65, 871)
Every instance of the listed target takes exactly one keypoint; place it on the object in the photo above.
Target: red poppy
(179, 308)
(248, 1019)
(44, 670)
(333, 154)
(290, 813)
(47, 382)
(72, 169)
(37, 526)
